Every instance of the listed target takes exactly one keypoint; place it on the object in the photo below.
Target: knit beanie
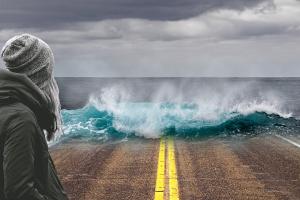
(29, 55)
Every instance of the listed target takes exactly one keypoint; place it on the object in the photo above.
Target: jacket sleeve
(18, 163)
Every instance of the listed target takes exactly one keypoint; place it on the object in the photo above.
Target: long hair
(52, 91)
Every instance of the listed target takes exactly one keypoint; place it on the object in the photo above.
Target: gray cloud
(250, 40)
(56, 13)
(218, 25)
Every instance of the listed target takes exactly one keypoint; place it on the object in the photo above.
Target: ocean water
(102, 109)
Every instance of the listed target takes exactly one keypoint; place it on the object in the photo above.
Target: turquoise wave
(152, 120)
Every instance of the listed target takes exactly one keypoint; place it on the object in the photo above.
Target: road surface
(262, 167)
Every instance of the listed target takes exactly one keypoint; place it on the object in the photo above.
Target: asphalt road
(263, 167)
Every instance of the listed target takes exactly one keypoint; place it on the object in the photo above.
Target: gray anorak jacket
(27, 171)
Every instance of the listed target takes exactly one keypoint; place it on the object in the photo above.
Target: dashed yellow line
(172, 172)
(160, 179)
(173, 183)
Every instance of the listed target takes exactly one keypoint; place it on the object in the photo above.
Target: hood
(18, 87)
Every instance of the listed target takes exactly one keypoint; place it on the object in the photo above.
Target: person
(29, 113)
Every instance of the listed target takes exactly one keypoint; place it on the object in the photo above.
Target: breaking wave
(111, 116)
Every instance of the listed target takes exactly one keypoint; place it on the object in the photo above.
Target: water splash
(113, 114)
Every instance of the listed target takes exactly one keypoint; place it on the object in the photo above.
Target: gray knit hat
(29, 55)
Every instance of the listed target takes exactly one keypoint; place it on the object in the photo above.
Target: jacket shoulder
(16, 113)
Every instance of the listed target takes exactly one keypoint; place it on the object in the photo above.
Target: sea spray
(115, 113)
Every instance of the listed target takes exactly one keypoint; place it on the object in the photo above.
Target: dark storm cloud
(162, 37)
(54, 13)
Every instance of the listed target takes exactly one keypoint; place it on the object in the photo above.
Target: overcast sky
(162, 37)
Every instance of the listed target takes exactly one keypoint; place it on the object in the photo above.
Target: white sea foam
(171, 107)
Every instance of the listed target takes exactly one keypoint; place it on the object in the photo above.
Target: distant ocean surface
(107, 108)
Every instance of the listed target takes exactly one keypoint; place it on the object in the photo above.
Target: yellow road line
(172, 171)
(160, 179)
(173, 182)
